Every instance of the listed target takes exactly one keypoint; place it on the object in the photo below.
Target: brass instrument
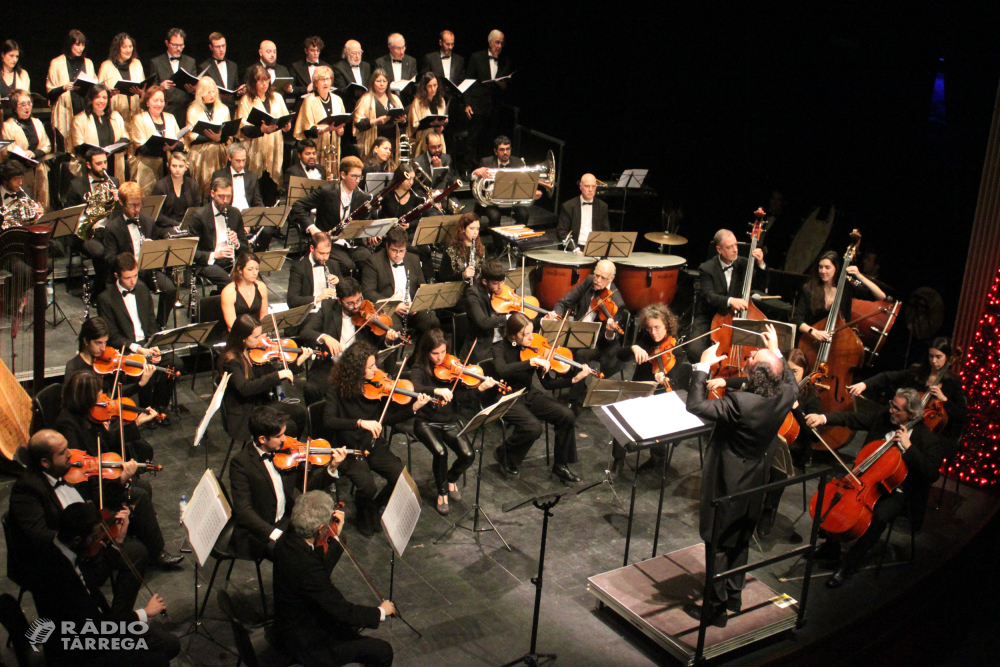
(329, 155)
(100, 202)
(425, 182)
(482, 188)
(18, 213)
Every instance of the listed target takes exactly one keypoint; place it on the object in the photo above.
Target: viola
(319, 452)
(607, 311)
(379, 323)
(662, 357)
(380, 387)
(269, 350)
(323, 540)
(131, 364)
(509, 301)
(111, 528)
(468, 374)
(935, 416)
(560, 358)
(82, 466)
(108, 408)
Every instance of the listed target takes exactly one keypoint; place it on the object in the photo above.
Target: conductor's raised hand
(770, 337)
(711, 355)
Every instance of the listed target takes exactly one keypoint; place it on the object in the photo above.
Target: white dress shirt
(239, 189)
(221, 230)
(133, 231)
(727, 272)
(347, 330)
(345, 202)
(174, 64)
(66, 494)
(399, 278)
(586, 221)
(311, 68)
(446, 66)
(223, 72)
(356, 70)
(279, 491)
(269, 68)
(311, 172)
(397, 71)
(133, 312)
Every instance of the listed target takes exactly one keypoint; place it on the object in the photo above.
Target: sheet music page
(205, 517)
(632, 178)
(401, 514)
(654, 416)
(213, 407)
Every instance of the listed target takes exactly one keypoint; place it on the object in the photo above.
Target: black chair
(315, 417)
(232, 442)
(244, 633)
(47, 405)
(210, 310)
(13, 620)
(15, 569)
(885, 547)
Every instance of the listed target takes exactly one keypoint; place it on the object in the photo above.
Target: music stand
(272, 260)
(575, 335)
(515, 185)
(290, 318)
(630, 178)
(192, 334)
(63, 222)
(189, 215)
(300, 186)
(610, 245)
(486, 416)
(437, 295)
(167, 254)
(748, 333)
(376, 181)
(366, 229)
(434, 230)
(151, 206)
(263, 216)
(513, 278)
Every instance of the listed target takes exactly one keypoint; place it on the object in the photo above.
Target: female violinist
(93, 341)
(246, 294)
(526, 416)
(820, 290)
(350, 420)
(463, 256)
(251, 385)
(437, 426)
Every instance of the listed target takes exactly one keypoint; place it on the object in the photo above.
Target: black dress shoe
(565, 474)
(842, 574)
(718, 617)
(733, 605)
(167, 561)
(766, 521)
(364, 525)
(508, 467)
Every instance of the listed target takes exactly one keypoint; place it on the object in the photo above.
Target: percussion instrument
(647, 277)
(556, 273)
(665, 238)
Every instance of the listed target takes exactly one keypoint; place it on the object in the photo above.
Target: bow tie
(396, 266)
(268, 66)
(126, 292)
(7, 195)
(219, 62)
(172, 58)
(587, 203)
(356, 66)
(60, 482)
(400, 61)
(447, 57)
(727, 268)
(495, 58)
(129, 221)
(267, 456)
(309, 64)
(239, 175)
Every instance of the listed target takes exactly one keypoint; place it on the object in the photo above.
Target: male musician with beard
(332, 327)
(219, 228)
(306, 166)
(126, 230)
(922, 454)
(394, 272)
(269, 61)
(316, 621)
(746, 424)
(95, 175)
(485, 324)
(223, 71)
(302, 70)
(166, 65)
(501, 159)
(332, 204)
(313, 278)
(434, 158)
(720, 284)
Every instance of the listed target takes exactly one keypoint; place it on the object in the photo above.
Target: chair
(489, 370)
(885, 548)
(13, 620)
(47, 405)
(209, 310)
(15, 570)
(406, 428)
(242, 633)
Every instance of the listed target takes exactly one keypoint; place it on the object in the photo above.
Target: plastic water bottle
(280, 393)
(49, 292)
(184, 505)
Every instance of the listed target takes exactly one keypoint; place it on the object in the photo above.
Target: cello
(834, 361)
(736, 355)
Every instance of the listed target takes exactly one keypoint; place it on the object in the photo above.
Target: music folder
(337, 119)
(282, 82)
(83, 82)
(461, 87)
(400, 86)
(110, 149)
(182, 77)
(395, 112)
(353, 89)
(156, 142)
(22, 156)
(125, 85)
(228, 129)
(257, 117)
(429, 120)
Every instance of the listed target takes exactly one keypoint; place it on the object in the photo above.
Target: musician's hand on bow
(814, 421)
(857, 388)
(337, 524)
(332, 344)
(737, 304)
(770, 337)
(146, 417)
(539, 362)
(641, 356)
(286, 374)
(551, 315)
(936, 392)
(372, 427)
(388, 607)
(584, 372)
(711, 355)
(660, 378)
(337, 457)
(902, 436)
(422, 400)
(715, 383)
(123, 520)
(444, 393)
(155, 606)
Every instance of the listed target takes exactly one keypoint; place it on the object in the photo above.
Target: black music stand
(265, 216)
(299, 187)
(167, 254)
(610, 245)
(192, 334)
(152, 205)
(288, 318)
(479, 422)
(545, 503)
(437, 295)
(435, 229)
(63, 223)
(574, 335)
(630, 178)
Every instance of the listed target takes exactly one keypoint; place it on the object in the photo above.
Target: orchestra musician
(181, 191)
(219, 229)
(11, 180)
(380, 160)
(923, 453)
(746, 425)
(95, 174)
(246, 294)
(263, 496)
(206, 152)
(820, 290)
(223, 71)
(125, 232)
(332, 327)
(483, 100)
(720, 285)
(397, 65)
(433, 158)
(305, 166)
(485, 325)
(351, 69)
(371, 116)
(428, 100)
(501, 160)
(582, 215)
(246, 193)
(318, 624)
(401, 200)
(313, 278)
(269, 61)
(166, 65)
(70, 598)
(146, 164)
(317, 107)
(12, 75)
(463, 246)
(266, 147)
(303, 70)
(352, 420)
(393, 272)
(63, 94)
(123, 64)
(438, 426)
(29, 135)
(251, 385)
(525, 417)
(97, 125)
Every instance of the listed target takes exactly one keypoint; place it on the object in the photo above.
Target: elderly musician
(582, 215)
(320, 105)
(147, 162)
(483, 100)
(397, 65)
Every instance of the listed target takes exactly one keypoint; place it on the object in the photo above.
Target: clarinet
(472, 262)
(406, 300)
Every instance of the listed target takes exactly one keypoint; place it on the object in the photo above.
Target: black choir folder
(182, 77)
(257, 117)
(110, 149)
(337, 119)
(125, 85)
(228, 129)
(427, 121)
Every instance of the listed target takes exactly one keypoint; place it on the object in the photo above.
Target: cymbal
(663, 238)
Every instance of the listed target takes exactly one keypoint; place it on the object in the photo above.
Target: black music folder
(228, 129)
(256, 117)
(337, 119)
(427, 121)
(111, 149)
(182, 77)
(352, 89)
(125, 85)
(395, 112)
(156, 142)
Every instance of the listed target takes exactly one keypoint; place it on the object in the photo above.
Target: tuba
(482, 188)
(100, 202)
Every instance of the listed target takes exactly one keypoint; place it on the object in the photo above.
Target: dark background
(722, 102)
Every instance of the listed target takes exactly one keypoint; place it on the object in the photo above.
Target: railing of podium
(807, 549)
(519, 132)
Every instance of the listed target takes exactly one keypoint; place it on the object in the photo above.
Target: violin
(663, 358)
(268, 350)
(607, 310)
(509, 301)
(124, 408)
(560, 358)
(111, 528)
(379, 323)
(380, 387)
(131, 364)
(470, 375)
(323, 540)
(319, 452)
(935, 416)
(82, 466)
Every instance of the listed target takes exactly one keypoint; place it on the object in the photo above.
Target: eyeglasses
(24, 105)
(353, 177)
(895, 408)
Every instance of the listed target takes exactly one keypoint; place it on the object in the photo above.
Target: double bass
(736, 355)
(833, 362)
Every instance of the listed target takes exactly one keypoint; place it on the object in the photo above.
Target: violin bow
(461, 371)
(118, 370)
(277, 337)
(687, 342)
(391, 391)
(552, 348)
(797, 411)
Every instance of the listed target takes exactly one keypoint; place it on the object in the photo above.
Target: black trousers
(359, 649)
(350, 260)
(885, 511)
(158, 280)
(438, 439)
(263, 240)
(216, 274)
(730, 588)
(359, 470)
(494, 213)
(524, 421)
(94, 251)
(110, 564)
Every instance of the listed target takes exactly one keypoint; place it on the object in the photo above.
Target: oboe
(472, 262)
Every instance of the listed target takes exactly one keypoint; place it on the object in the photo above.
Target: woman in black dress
(437, 426)
(181, 191)
(245, 295)
(463, 246)
(820, 290)
(252, 385)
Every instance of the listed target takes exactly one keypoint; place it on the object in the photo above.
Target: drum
(647, 277)
(879, 316)
(556, 273)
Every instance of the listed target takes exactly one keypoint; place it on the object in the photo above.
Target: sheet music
(213, 407)
(652, 416)
(401, 514)
(632, 178)
(205, 517)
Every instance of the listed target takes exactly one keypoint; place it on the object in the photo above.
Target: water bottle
(280, 393)
(49, 292)
(184, 505)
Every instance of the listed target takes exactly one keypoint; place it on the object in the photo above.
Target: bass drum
(647, 277)
(556, 273)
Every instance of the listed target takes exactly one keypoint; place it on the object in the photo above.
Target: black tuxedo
(296, 169)
(329, 320)
(34, 513)
(177, 98)
(79, 187)
(377, 283)
(300, 280)
(251, 184)
(569, 218)
(316, 621)
(232, 81)
(577, 302)
(424, 160)
(117, 239)
(300, 72)
(408, 69)
(485, 100)
(202, 225)
(483, 321)
(714, 295)
(343, 76)
(326, 201)
(111, 307)
(432, 63)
